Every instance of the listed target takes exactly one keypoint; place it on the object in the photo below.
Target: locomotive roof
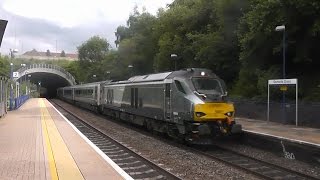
(90, 84)
(190, 72)
(166, 75)
(150, 77)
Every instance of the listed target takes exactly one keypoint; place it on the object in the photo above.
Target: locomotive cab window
(179, 86)
(208, 85)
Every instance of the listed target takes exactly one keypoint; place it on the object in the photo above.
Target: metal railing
(19, 101)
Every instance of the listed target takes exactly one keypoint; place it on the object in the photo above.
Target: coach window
(112, 98)
(179, 86)
(108, 96)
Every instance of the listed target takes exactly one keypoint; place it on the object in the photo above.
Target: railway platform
(303, 135)
(37, 142)
(290, 141)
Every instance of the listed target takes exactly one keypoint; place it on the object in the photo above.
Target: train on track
(188, 104)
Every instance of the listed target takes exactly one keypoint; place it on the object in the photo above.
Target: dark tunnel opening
(49, 83)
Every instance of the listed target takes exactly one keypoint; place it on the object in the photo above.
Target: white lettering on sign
(15, 74)
(282, 81)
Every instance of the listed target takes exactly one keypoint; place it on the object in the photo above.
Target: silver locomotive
(189, 104)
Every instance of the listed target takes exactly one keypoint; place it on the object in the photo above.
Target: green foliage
(4, 66)
(246, 84)
(63, 54)
(137, 45)
(91, 54)
(202, 33)
(93, 50)
(261, 46)
(236, 39)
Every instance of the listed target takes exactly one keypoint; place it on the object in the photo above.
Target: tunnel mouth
(47, 83)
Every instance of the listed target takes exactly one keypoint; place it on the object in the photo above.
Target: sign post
(283, 87)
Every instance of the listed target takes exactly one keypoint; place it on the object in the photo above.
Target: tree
(62, 54)
(202, 34)
(261, 46)
(4, 66)
(93, 50)
(137, 46)
(48, 53)
(91, 55)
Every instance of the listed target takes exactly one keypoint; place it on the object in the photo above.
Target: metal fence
(19, 101)
(308, 113)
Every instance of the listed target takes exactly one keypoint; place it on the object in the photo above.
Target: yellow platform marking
(61, 163)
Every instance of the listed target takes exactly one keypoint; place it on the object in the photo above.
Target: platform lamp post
(131, 69)
(25, 78)
(11, 87)
(39, 83)
(108, 74)
(12, 51)
(283, 29)
(94, 78)
(29, 84)
(174, 57)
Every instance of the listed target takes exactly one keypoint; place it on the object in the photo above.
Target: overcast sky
(41, 24)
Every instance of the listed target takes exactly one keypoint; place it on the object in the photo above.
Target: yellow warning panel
(61, 163)
(283, 88)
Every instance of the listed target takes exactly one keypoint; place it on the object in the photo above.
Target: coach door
(167, 101)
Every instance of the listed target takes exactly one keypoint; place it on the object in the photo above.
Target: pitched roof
(34, 53)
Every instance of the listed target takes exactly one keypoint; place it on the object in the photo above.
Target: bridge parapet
(48, 68)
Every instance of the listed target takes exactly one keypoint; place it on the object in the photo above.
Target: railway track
(258, 167)
(251, 165)
(132, 163)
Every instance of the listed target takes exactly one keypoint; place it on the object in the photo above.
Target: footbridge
(48, 76)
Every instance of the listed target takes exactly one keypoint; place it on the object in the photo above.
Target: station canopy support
(283, 87)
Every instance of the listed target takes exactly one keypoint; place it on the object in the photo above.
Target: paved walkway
(37, 143)
(305, 134)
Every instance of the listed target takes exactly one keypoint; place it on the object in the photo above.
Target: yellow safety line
(64, 165)
(52, 164)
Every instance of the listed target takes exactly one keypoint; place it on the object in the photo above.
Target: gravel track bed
(272, 158)
(183, 163)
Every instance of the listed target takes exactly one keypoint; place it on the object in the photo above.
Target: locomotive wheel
(173, 132)
(148, 125)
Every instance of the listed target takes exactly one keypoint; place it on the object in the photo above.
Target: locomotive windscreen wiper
(199, 94)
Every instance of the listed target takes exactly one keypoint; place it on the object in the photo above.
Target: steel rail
(137, 166)
(252, 165)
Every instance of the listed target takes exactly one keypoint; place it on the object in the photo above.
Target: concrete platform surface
(36, 142)
(289, 132)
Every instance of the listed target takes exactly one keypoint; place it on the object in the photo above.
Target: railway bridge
(48, 76)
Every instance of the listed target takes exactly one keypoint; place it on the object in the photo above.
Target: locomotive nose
(214, 112)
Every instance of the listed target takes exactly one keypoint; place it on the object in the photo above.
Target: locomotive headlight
(200, 114)
(229, 114)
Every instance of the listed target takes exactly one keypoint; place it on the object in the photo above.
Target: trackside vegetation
(234, 38)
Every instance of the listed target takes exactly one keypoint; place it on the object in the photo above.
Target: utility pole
(56, 46)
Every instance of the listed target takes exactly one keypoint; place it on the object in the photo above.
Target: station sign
(282, 81)
(15, 74)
